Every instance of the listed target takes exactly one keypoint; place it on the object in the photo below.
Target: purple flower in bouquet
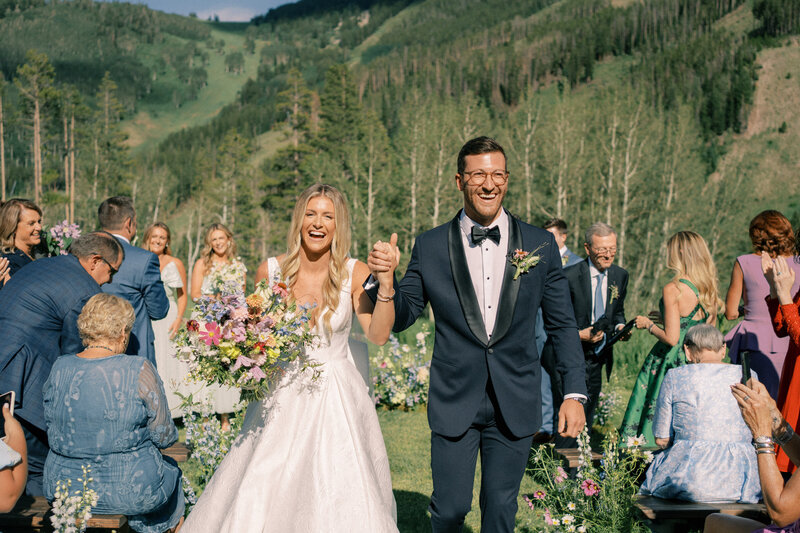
(256, 373)
(60, 237)
(561, 476)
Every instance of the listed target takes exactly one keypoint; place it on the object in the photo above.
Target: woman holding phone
(13, 457)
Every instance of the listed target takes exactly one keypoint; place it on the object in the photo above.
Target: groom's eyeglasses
(478, 177)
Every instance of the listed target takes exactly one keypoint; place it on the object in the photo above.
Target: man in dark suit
(139, 277)
(485, 371)
(558, 228)
(39, 310)
(597, 290)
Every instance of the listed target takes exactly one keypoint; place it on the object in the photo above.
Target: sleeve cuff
(575, 396)
(371, 283)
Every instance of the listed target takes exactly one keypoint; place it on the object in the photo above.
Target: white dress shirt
(487, 264)
(563, 250)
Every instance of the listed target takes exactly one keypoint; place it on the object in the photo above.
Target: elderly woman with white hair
(108, 411)
(708, 455)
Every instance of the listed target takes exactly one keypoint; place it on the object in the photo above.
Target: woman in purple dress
(770, 232)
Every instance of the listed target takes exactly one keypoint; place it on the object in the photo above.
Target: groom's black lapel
(463, 281)
(510, 288)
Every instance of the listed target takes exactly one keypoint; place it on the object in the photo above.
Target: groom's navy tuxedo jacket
(464, 359)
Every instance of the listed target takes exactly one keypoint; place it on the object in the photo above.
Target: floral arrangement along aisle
(246, 343)
(402, 373)
(72, 512)
(599, 498)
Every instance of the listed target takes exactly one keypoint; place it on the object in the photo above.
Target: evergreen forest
(652, 116)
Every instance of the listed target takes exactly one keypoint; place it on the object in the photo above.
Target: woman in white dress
(173, 372)
(219, 271)
(311, 458)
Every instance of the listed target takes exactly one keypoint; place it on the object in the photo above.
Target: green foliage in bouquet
(402, 373)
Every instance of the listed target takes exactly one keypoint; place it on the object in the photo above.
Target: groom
(485, 371)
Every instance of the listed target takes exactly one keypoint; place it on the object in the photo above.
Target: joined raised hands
(383, 260)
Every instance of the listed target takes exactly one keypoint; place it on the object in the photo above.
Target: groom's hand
(571, 418)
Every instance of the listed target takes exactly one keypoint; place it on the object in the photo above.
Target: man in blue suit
(485, 372)
(558, 228)
(39, 310)
(139, 277)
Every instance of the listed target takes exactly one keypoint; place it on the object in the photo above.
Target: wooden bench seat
(33, 514)
(678, 516)
(178, 451)
(572, 456)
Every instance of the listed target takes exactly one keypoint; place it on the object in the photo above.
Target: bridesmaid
(218, 271)
(770, 233)
(20, 233)
(157, 239)
(690, 298)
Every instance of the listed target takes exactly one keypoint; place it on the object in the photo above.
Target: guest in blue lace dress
(710, 458)
(108, 410)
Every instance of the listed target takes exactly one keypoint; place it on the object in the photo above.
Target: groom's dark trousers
(484, 389)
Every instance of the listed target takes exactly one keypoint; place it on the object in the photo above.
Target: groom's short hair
(476, 146)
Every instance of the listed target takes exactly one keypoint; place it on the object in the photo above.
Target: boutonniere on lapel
(614, 293)
(564, 260)
(524, 261)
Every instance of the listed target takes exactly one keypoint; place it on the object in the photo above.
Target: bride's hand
(383, 260)
(173, 329)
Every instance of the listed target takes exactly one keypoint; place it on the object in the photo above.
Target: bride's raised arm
(377, 319)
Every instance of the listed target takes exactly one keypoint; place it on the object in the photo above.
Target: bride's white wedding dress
(311, 457)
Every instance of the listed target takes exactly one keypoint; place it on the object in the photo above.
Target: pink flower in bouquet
(256, 373)
(212, 334)
(236, 334)
(590, 488)
(520, 254)
(280, 289)
(240, 313)
(547, 518)
(242, 360)
(561, 476)
(539, 495)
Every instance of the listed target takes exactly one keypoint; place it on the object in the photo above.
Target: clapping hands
(779, 276)
(383, 260)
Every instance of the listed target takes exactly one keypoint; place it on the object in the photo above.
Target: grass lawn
(407, 440)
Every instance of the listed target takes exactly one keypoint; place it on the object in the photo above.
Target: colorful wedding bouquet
(246, 343)
(599, 498)
(402, 373)
(60, 237)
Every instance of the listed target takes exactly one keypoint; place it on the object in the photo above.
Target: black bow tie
(481, 234)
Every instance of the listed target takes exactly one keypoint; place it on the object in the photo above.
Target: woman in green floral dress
(690, 298)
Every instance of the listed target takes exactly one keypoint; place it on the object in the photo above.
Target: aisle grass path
(407, 440)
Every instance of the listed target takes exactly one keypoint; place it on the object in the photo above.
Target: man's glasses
(478, 177)
(111, 268)
(612, 250)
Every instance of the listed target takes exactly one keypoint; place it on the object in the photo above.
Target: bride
(311, 457)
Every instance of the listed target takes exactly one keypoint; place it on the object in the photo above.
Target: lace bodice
(334, 344)
(171, 280)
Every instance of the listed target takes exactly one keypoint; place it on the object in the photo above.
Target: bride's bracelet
(382, 298)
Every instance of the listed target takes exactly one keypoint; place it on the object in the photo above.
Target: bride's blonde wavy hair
(689, 258)
(340, 247)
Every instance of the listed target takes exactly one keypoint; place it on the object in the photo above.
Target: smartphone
(7, 398)
(745, 355)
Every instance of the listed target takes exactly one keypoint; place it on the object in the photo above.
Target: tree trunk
(612, 156)
(96, 167)
(72, 156)
(2, 156)
(37, 154)
(633, 153)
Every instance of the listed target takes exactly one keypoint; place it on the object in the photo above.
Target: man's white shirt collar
(467, 223)
(563, 250)
(118, 236)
